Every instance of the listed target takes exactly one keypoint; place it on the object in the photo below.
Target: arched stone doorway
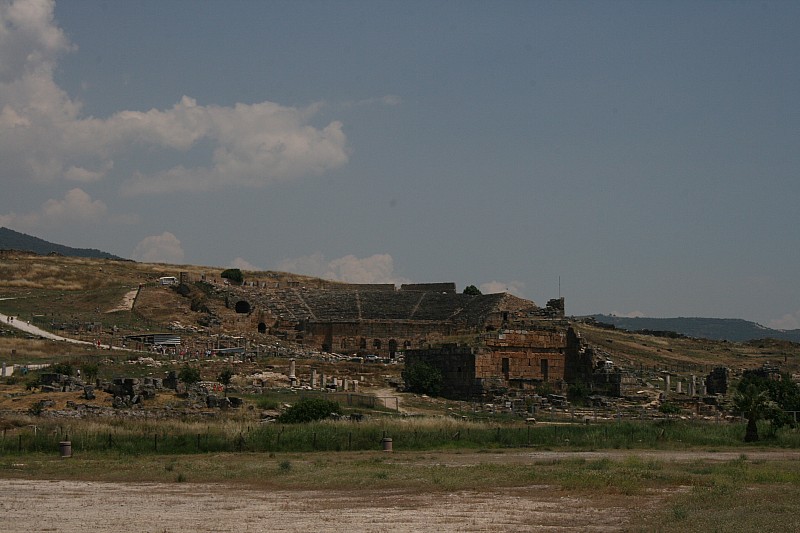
(262, 328)
(242, 307)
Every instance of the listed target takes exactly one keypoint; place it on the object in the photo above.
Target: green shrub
(32, 380)
(267, 403)
(578, 393)
(62, 368)
(669, 408)
(308, 410)
(89, 371)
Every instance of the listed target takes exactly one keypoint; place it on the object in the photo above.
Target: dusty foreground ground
(75, 506)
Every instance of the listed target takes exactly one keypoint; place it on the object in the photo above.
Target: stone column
(313, 378)
(679, 387)
(355, 386)
(693, 386)
(322, 381)
(666, 383)
(4, 370)
(345, 384)
(292, 375)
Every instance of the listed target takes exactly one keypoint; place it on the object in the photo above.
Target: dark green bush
(62, 368)
(423, 378)
(189, 375)
(669, 408)
(308, 410)
(233, 274)
(89, 371)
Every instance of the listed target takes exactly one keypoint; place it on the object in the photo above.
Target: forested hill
(730, 329)
(14, 240)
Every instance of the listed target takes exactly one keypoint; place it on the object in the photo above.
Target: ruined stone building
(547, 352)
(374, 319)
(479, 342)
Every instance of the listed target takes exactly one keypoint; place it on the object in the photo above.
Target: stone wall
(457, 365)
(523, 358)
(384, 338)
(447, 287)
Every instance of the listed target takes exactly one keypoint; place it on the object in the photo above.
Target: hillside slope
(729, 329)
(14, 240)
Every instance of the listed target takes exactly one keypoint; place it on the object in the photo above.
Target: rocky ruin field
(172, 463)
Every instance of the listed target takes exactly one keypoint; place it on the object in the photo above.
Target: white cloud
(787, 321)
(243, 264)
(28, 37)
(76, 207)
(43, 137)
(164, 248)
(516, 288)
(74, 173)
(378, 268)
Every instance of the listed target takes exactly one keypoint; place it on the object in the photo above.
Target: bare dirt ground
(78, 506)
(82, 506)
(127, 302)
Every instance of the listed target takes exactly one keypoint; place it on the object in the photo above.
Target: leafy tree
(233, 274)
(782, 390)
(308, 410)
(423, 378)
(472, 290)
(225, 377)
(189, 375)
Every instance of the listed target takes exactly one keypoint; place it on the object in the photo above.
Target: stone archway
(392, 348)
(242, 307)
(262, 327)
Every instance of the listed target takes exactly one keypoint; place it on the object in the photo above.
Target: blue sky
(645, 153)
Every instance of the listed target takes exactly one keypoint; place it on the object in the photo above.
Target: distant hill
(14, 240)
(730, 329)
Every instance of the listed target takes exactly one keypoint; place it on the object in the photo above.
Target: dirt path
(84, 506)
(75, 506)
(127, 301)
(33, 330)
(388, 397)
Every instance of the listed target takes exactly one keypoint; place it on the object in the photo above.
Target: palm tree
(754, 404)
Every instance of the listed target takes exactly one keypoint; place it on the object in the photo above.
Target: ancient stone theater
(479, 342)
